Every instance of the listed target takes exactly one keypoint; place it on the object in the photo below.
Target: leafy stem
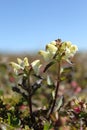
(56, 89)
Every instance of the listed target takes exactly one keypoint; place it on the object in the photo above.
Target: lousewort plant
(36, 76)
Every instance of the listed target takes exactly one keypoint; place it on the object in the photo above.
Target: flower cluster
(78, 106)
(24, 66)
(59, 51)
(67, 50)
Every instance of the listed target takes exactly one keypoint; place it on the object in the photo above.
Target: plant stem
(56, 89)
(29, 96)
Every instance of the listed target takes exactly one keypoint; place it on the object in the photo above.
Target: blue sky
(28, 25)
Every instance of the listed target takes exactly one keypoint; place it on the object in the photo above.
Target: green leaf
(3, 68)
(67, 69)
(59, 103)
(83, 115)
(48, 65)
(53, 94)
(15, 121)
(63, 78)
(49, 81)
(1, 92)
(9, 119)
(47, 126)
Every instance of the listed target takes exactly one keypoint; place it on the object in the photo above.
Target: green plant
(33, 77)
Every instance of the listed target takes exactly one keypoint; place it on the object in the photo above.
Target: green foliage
(47, 126)
(1, 93)
(12, 120)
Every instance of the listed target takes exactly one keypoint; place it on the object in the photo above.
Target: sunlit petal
(36, 66)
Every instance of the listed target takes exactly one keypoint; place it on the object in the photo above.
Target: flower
(53, 42)
(46, 55)
(77, 109)
(24, 62)
(62, 51)
(51, 50)
(73, 49)
(16, 67)
(36, 66)
(23, 65)
(68, 50)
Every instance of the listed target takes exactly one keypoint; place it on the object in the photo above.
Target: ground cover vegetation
(46, 91)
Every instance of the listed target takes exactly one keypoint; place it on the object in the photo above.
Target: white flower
(36, 66)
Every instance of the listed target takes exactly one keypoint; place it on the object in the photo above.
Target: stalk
(56, 89)
(29, 96)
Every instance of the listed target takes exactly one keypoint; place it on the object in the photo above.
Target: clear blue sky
(27, 25)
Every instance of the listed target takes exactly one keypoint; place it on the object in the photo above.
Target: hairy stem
(56, 89)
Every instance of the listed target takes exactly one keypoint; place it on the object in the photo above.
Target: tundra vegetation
(44, 94)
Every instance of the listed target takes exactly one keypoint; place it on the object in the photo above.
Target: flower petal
(26, 63)
(36, 66)
(19, 61)
(51, 48)
(15, 65)
(46, 55)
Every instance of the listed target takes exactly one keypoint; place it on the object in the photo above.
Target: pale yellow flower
(73, 48)
(24, 62)
(64, 51)
(16, 67)
(36, 66)
(46, 55)
(21, 64)
(51, 50)
(53, 43)
(67, 44)
(68, 49)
